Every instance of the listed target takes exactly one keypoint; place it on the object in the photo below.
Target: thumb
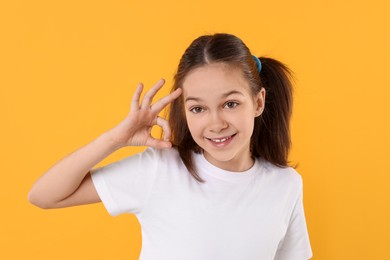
(158, 144)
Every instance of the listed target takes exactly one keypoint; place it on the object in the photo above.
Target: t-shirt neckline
(210, 169)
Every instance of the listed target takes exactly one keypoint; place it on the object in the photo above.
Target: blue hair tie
(258, 62)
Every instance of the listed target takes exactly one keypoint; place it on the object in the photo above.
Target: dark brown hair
(271, 135)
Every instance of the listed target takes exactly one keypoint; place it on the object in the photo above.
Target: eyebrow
(223, 95)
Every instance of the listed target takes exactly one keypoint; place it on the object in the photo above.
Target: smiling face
(220, 110)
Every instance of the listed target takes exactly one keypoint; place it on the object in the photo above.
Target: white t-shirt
(253, 215)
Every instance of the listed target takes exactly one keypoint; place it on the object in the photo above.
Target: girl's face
(220, 110)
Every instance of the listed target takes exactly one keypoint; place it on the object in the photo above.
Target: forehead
(213, 79)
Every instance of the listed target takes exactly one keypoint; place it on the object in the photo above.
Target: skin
(68, 182)
(220, 110)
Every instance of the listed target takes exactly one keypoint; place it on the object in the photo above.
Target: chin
(223, 158)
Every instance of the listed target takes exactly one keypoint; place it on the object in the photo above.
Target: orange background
(69, 68)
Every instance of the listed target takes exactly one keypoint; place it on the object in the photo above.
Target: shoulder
(167, 153)
(148, 159)
(167, 156)
(284, 175)
(153, 153)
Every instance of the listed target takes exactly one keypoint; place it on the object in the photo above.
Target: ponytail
(271, 136)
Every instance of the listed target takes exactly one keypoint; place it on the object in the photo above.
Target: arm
(296, 242)
(68, 182)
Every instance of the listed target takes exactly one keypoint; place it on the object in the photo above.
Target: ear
(259, 102)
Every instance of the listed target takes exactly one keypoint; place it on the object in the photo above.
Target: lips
(221, 140)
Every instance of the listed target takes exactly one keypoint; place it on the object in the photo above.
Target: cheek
(192, 124)
(246, 123)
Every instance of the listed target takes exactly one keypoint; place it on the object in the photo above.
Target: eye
(230, 104)
(196, 110)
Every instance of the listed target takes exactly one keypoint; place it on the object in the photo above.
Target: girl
(217, 186)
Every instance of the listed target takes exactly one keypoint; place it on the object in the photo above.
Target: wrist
(109, 138)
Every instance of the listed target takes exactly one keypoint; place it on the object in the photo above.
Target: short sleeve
(124, 186)
(296, 244)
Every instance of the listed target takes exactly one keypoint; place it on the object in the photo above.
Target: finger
(163, 102)
(135, 100)
(165, 127)
(155, 143)
(147, 100)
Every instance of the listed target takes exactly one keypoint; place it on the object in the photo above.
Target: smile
(222, 139)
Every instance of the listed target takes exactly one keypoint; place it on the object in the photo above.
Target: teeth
(220, 140)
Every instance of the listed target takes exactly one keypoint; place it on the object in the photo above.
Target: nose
(217, 122)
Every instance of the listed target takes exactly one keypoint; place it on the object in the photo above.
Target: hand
(135, 129)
